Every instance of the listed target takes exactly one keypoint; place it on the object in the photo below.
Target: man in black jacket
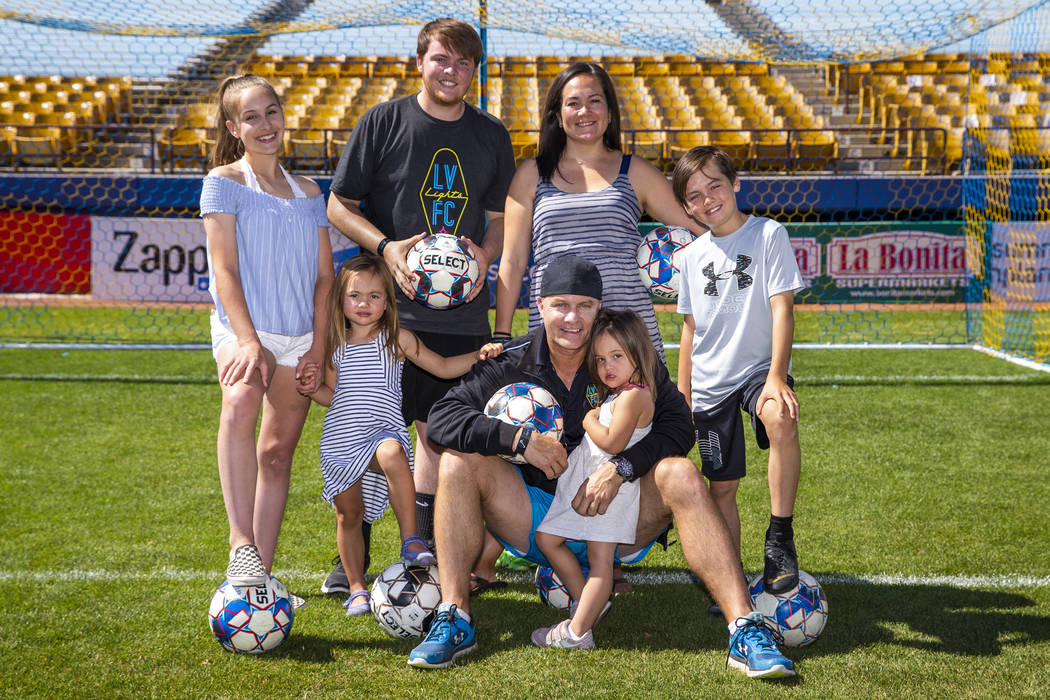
(479, 489)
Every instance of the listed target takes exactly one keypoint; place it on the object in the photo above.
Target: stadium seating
(767, 117)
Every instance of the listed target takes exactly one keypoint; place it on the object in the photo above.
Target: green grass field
(923, 510)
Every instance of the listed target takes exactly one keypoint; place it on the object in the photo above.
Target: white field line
(635, 576)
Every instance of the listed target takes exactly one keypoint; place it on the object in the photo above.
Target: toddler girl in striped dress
(366, 455)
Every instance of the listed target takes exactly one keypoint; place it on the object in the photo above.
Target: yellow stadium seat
(770, 150)
(182, 149)
(524, 144)
(736, 144)
(816, 150)
(681, 141)
(37, 146)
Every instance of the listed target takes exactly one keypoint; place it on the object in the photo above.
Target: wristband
(382, 244)
(501, 335)
(523, 441)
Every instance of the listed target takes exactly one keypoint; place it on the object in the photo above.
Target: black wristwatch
(623, 467)
(523, 441)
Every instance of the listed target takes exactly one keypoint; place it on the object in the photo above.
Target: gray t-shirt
(726, 283)
(417, 174)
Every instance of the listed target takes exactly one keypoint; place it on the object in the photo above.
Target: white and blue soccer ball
(404, 599)
(445, 271)
(551, 589)
(799, 615)
(251, 620)
(658, 265)
(522, 403)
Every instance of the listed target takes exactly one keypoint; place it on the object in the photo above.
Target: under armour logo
(743, 280)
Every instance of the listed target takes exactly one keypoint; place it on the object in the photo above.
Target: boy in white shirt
(738, 286)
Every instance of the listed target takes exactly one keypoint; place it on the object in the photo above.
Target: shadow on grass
(931, 618)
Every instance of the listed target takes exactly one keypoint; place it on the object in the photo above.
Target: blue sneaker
(450, 637)
(752, 651)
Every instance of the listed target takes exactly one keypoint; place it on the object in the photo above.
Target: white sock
(464, 614)
(572, 635)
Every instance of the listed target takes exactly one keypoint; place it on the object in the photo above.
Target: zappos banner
(166, 260)
(1019, 261)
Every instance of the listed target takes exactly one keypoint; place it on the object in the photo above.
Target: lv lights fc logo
(444, 193)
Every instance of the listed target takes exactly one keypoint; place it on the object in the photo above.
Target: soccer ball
(404, 599)
(799, 614)
(657, 262)
(551, 590)
(524, 403)
(251, 620)
(445, 271)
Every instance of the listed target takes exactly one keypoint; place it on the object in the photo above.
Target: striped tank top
(602, 227)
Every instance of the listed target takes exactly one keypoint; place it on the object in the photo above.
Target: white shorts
(286, 349)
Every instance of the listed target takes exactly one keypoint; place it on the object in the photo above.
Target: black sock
(366, 533)
(780, 529)
(425, 515)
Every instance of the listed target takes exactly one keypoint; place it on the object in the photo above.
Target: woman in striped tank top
(366, 455)
(582, 195)
(270, 265)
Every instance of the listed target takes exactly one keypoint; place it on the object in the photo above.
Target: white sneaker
(246, 568)
(561, 637)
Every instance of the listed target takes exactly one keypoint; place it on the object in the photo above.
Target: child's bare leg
(563, 561)
(390, 458)
(597, 589)
(349, 512)
(724, 495)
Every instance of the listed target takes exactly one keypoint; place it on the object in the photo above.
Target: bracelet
(501, 335)
(523, 441)
(382, 244)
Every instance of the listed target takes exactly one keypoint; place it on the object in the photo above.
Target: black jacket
(458, 421)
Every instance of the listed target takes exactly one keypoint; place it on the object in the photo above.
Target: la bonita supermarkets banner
(144, 259)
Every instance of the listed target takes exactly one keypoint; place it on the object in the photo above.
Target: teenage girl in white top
(271, 271)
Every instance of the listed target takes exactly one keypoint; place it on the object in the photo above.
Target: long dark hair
(228, 148)
(628, 329)
(552, 136)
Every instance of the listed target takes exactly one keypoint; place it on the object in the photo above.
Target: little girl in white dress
(622, 362)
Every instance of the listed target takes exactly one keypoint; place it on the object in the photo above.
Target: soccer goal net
(903, 145)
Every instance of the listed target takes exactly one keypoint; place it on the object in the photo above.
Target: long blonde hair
(229, 148)
(628, 329)
(337, 320)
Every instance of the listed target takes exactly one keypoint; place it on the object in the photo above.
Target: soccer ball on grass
(798, 614)
(404, 599)
(251, 620)
(551, 589)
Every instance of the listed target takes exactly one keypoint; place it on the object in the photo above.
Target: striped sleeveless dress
(365, 411)
(601, 226)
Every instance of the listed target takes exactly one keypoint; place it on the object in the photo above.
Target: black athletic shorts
(420, 389)
(720, 431)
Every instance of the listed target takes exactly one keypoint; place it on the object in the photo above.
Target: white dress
(619, 522)
(365, 411)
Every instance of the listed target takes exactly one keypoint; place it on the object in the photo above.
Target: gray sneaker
(246, 568)
(560, 637)
(336, 581)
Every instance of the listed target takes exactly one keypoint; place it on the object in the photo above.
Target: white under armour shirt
(726, 284)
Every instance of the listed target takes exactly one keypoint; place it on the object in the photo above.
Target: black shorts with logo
(720, 431)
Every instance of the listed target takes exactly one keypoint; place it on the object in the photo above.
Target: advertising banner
(44, 253)
(1019, 261)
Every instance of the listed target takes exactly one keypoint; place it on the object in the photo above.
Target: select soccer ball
(799, 614)
(251, 620)
(551, 590)
(524, 403)
(657, 259)
(404, 599)
(445, 271)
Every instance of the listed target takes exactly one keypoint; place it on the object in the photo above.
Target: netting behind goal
(904, 145)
